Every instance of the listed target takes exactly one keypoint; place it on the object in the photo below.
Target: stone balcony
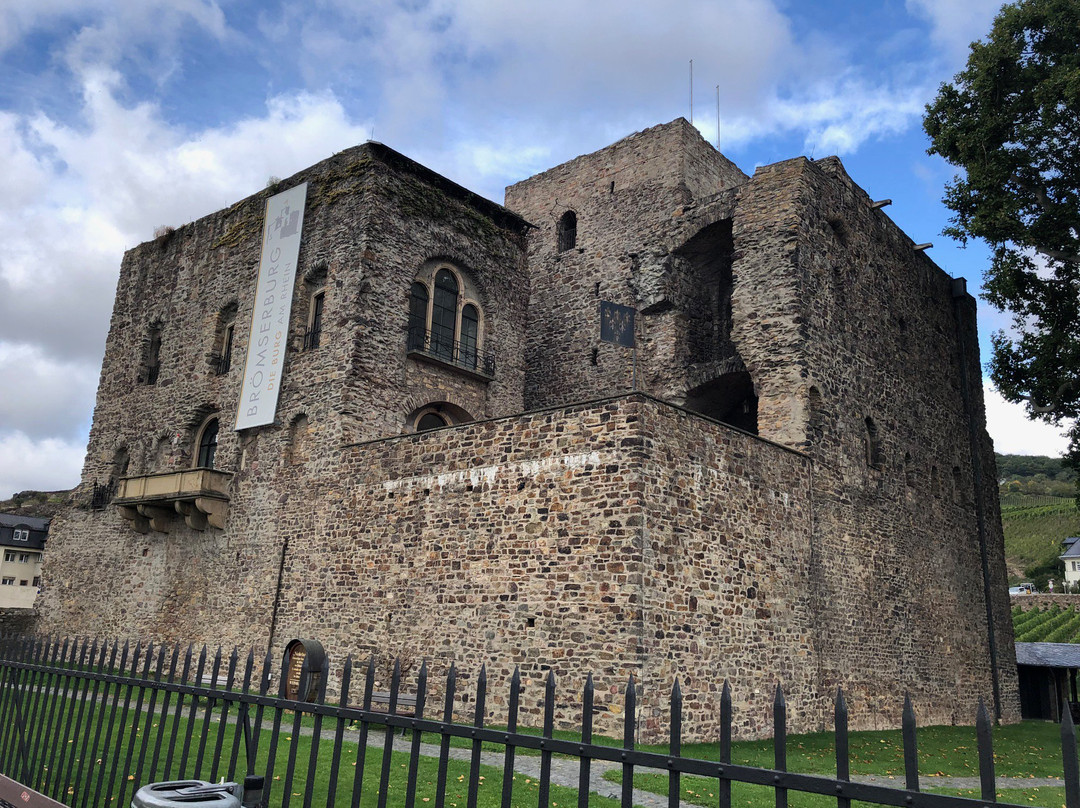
(152, 502)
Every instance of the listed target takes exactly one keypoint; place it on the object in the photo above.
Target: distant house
(22, 541)
(1071, 559)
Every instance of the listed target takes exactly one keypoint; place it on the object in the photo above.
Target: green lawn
(106, 747)
(1028, 749)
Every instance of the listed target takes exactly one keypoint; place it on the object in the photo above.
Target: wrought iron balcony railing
(452, 352)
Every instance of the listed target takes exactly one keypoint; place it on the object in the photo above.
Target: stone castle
(774, 468)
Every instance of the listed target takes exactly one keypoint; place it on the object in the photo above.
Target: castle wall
(889, 402)
(630, 200)
(599, 538)
(362, 253)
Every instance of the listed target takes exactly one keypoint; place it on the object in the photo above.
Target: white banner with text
(273, 301)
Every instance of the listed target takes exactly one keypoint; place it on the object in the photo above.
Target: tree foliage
(1011, 121)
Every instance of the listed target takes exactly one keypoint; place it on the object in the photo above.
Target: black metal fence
(87, 723)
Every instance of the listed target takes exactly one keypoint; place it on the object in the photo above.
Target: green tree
(1011, 121)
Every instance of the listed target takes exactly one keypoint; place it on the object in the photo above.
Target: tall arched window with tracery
(444, 313)
(446, 319)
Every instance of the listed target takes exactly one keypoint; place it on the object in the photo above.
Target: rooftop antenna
(691, 91)
(718, 117)
(372, 135)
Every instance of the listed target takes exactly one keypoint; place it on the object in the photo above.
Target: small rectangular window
(24, 558)
(20, 534)
(24, 582)
(7, 582)
(37, 580)
(9, 555)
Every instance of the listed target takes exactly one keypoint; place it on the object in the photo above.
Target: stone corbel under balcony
(152, 502)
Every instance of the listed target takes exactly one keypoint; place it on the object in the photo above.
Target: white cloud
(106, 27)
(1014, 433)
(955, 24)
(77, 194)
(51, 464)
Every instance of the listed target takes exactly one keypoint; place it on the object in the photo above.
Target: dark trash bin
(175, 793)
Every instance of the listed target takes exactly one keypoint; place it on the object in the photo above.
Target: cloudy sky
(117, 116)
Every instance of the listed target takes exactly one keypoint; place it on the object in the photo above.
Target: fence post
(911, 749)
(629, 724)
(986, 754)
(511, 727)
(1069, 762)
(843, 755)
(675, 745)
(780, 742)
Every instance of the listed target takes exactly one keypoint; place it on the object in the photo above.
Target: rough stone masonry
(788, 479)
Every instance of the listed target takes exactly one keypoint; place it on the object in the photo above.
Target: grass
(1030, 749)
(100, 762)
(702, 791)
(1025, 750)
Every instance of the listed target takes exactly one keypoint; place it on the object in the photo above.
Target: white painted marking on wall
(487, 475)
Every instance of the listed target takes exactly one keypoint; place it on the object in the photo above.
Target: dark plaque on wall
(617, 324)
(302, 669)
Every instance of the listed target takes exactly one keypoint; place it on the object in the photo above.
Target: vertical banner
(269, 331)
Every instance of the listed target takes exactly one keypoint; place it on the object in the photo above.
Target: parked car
(1023, 589)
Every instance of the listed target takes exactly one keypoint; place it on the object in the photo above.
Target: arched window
(418, 307)
(445, 320)
(207, 444)
(444, 314)
(430, 420)
(566, 231)
(436, 415)
(470, 329)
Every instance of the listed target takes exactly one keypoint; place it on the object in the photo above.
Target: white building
(22, 541)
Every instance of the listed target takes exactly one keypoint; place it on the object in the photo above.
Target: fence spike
(911, 746)
(369, 681)
(1070, 764)
(675, 744)
(421, 689)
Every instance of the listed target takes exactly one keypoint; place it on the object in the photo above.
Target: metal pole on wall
(691, 91)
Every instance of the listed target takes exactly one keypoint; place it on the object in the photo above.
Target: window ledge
(431, 359)
(199, 495)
